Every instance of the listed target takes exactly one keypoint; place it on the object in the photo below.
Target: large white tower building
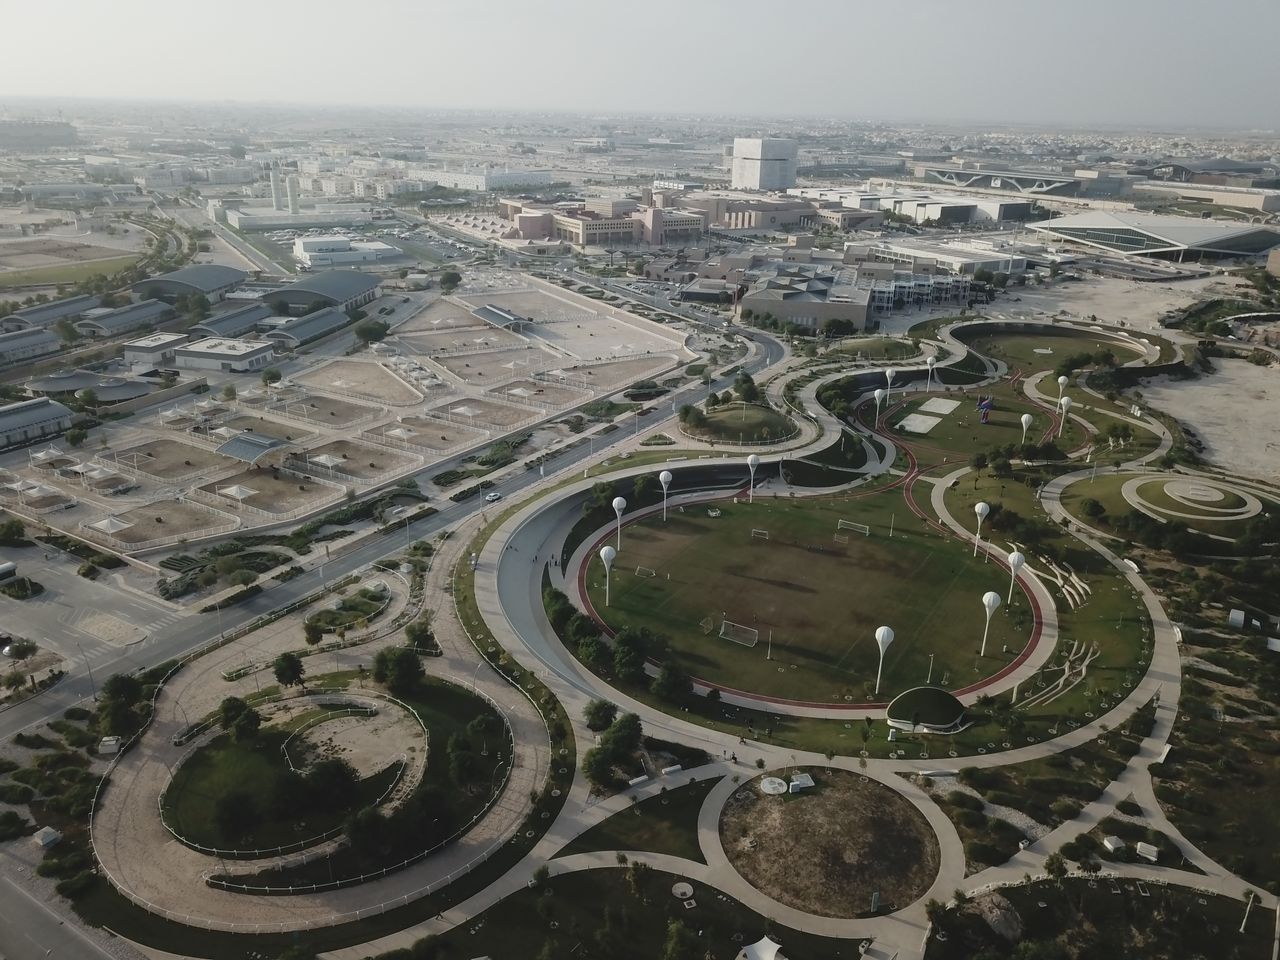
(763, 164)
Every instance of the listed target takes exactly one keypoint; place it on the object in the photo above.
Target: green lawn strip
(1079, 919)
(1107, 490)
(878, 348)
(1023, 351)
(796, 583)
(666, 823)
(624, 919)
(65, 273)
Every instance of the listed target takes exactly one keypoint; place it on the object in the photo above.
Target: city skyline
(995, 66)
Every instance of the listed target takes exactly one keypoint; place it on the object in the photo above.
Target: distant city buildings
(763, 163)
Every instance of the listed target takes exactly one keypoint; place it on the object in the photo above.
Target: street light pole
(89, 670)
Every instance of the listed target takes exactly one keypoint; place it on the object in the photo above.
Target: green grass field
(1106, 489)
(821, 599)
(743, 423)
(667, 823)
(1032, 353)
(66, 273)
(878, 348)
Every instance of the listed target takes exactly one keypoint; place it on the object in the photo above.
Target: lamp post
(981, 510)
(888, 380)
(1066, 408)
(664, 479)
(619, 504)
(89, 670)
(879, 395)
(1027, 420)
(990, 603)
(928, 380)
(607, 553)
(884, 637)
(929, 678)
(1062, 385)
(1016, 562)
(752, 462)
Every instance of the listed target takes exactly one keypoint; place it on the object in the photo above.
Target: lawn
(821, 599)
(1107, 490)
(360, 607)
(742, 423)
(1045, 349)
(224, 766)
(877, 348)
(667, 823)
(1124, 918)
(603, 913)
(66, 273)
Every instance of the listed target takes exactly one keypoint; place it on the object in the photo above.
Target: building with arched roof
(342, 289)
(212, 280)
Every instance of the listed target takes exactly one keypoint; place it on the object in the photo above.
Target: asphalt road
(178, 638)
(30, 930)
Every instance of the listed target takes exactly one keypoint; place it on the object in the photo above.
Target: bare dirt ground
(177, 518)
(325, 411)
(439, 316)
(482, 369)
(167, 459)
(360, 378)
(369, 744)
(268, 427)
(275, 493)
(486, 413)
(458, 337)
(541, 392)
(435, 435)
(607, 376)
(363, 461)
(1112, 300)
(50, 252)
(1227, 411)
(828, 849)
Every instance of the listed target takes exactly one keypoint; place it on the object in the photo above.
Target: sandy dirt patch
(360, 379)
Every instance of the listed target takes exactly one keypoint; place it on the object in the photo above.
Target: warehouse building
(342, 289)
(44, 315)
(296, 331)
(312, 252)
(211, 279)
(23, 345)
(111, 323)
(1168, 238)
(234, 323)
(155, 350)
(30, 420)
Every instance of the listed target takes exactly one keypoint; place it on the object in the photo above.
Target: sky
(1145, 63)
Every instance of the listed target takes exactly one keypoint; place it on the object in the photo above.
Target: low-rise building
(1273, 262)
(332, 250)
(808, 296)
(213, 280)
(342, 289)
(294, 332)
(135, 316)
(44, 315)
(156, 350)
(30, 420)
(23, 345)
(226, 355)
(234, 323)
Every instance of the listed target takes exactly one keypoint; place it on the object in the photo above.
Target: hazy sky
(1140, 62)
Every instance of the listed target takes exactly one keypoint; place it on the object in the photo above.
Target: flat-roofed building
(808, 296)
(1176, 238)
(226, 355)
(767, 163)
(155, 350)
(30, 420)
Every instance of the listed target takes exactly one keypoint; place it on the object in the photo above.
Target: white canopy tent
(237, 492)
(110, 525)
(400, 433)
(50, 453)
(762, 949)
(325, 460)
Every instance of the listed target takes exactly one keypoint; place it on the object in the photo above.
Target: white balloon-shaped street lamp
(1062, 385)
(928, 380)
(1027, 420)
(990, 604)
(1016, 562)
(1066, 408)
(879, 395)
(664, 478)
(619, 505)
(752, 462)
(888, 380)
(884, 637)
(607, 554)
(981, 510)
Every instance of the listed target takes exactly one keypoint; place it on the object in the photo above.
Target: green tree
(122, 687)
(597, 767)
(229, 392)
(236, 813)
(245, 727)
(681, 943)
(12, 530)
(88, 397)
(672, 683)
(333, 784)
(623, 736)
(1056, 867)
(66, 331)
(271, 375)
(420, 635)
(242, 578)
(371, 331)
(599, 714)
(289, 670)
(312, 633)
(76, 437)
(643, 486)
(449, 280)
(230, 710)
(398, 668)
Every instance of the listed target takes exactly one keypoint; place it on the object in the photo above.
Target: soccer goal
(760, 534)
(707, 625)
(646, 572)
(861, 528)
(840, 538)
(747, 636)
